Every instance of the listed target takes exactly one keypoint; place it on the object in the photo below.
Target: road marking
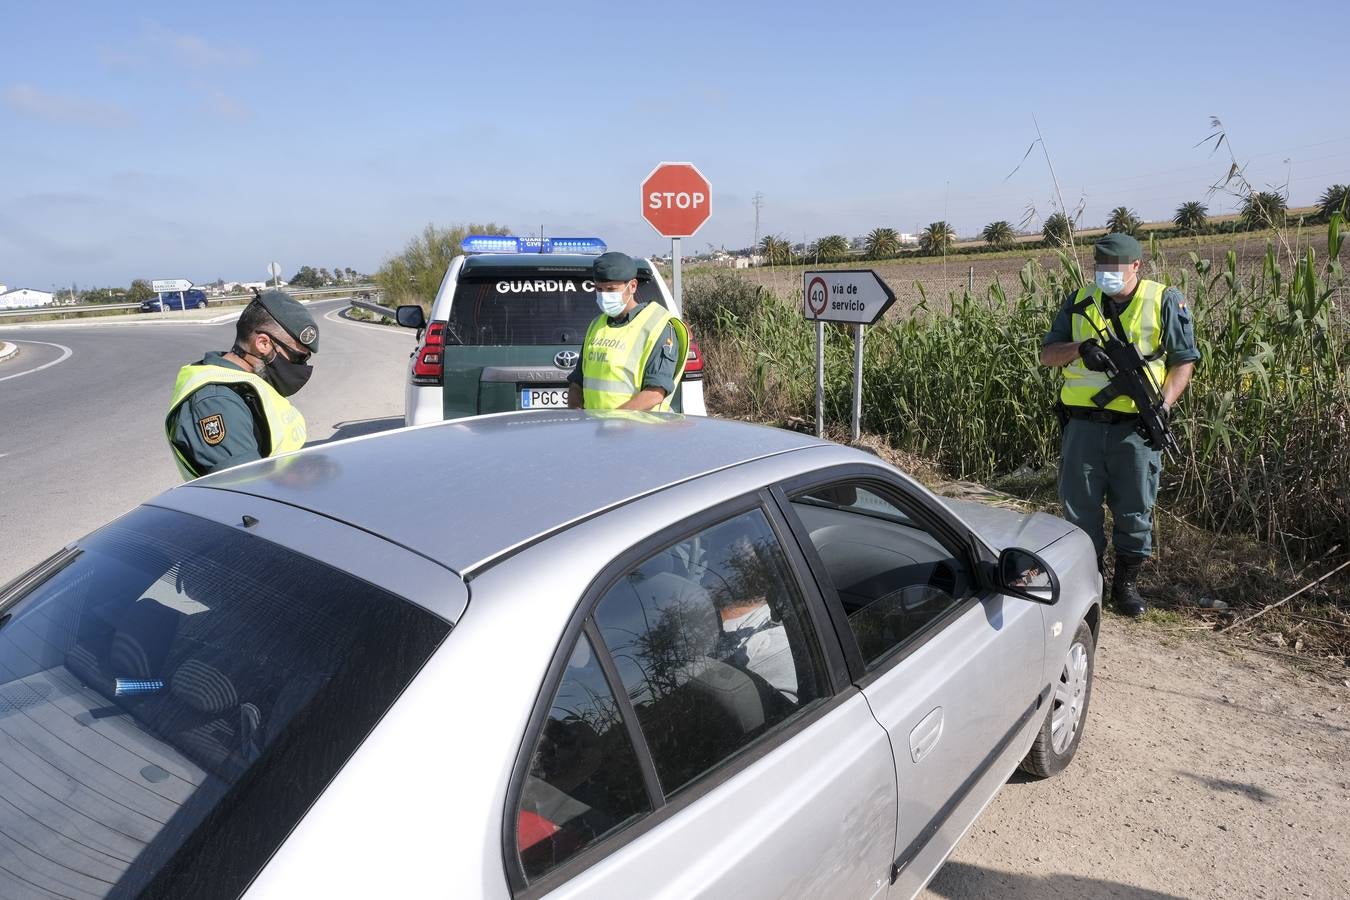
(401, 332)
(66, 353)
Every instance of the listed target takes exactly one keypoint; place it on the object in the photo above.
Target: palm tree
(831, 247)
(1058, 230)
(1192, 218)
(1335, 199)
(882, 243)
(936, 238)
(775, 250)
(998, 234)
(1123, 220)
(1264, 210)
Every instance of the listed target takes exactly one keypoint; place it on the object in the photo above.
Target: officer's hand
(1094, 357)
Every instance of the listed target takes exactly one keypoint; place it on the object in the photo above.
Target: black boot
(1124, 590)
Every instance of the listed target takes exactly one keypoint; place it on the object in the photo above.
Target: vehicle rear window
(524, 309)
(174, 696)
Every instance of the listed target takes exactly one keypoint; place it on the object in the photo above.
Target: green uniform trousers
(1111, 463)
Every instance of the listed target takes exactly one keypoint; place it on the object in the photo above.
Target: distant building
(22, 298)
(908, 238)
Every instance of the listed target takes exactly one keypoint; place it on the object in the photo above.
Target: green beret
(1117, 248)
(293, 317)
(614, 266)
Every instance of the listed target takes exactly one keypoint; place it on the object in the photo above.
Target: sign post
(274, 269)
(161, 286)
(676, 201)
(855, 296)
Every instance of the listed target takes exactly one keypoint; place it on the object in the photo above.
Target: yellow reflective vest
(285, 425)
(614, 357)
(1142, 321)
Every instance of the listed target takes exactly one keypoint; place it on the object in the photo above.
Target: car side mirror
(1022, 573)
(411, 316)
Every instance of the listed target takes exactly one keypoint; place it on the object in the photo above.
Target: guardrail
(54, 310)
(376, 309)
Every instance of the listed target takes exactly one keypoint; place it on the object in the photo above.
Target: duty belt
(1101, 416)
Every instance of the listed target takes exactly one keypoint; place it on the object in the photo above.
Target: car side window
(714, 645)
(892, 575)
(584, 781)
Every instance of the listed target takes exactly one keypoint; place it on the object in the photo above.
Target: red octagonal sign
(676, 199)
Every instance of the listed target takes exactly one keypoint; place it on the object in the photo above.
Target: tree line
(1259, 211)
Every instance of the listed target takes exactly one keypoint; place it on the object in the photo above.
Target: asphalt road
(82, 415)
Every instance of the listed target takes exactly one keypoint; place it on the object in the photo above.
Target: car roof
(492, 263)
(467, 491)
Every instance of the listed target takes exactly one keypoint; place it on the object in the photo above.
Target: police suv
(507, 325)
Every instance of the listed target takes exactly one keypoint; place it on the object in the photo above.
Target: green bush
(719, 302)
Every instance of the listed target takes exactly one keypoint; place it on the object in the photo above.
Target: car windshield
(523, 309)
(174, 694)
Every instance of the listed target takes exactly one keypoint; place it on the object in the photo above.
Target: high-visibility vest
(285, 425)
(615, 356)
(1142, 320)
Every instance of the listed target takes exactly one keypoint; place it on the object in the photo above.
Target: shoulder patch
(212, 429)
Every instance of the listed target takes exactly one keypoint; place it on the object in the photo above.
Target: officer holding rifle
(1127, 347)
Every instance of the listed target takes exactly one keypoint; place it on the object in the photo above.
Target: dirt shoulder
(1206, 770)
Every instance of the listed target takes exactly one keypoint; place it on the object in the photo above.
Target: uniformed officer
(634, 353)
(1103, 457)
(231, 407)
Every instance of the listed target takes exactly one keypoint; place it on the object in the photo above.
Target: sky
(171, 140)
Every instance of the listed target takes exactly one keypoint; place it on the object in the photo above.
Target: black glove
(1094, 357)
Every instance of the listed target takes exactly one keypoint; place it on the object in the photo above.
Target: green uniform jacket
(215, 428)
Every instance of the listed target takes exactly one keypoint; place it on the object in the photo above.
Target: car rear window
(525, 309)
(174, 695)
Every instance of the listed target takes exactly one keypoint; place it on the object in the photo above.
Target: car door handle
(925, 735)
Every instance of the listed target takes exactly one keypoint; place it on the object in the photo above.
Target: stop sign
(676, 199)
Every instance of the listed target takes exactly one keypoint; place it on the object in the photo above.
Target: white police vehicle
(506, 329)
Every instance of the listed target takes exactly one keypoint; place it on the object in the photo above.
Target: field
(938, 278)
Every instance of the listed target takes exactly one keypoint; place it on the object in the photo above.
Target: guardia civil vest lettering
(615, 356)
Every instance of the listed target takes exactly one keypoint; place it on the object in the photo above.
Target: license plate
(543, 398)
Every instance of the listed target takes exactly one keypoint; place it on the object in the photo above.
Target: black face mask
(287, 377)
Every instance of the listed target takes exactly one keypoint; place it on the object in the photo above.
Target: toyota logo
(567, 359)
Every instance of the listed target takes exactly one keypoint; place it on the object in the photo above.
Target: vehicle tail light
(429, 366)
(693, 366)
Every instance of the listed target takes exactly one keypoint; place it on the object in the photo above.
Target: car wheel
(1062, 730)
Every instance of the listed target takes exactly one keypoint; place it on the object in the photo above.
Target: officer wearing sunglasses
(232, 407)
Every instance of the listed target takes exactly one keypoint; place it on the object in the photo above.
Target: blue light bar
(505, 243)
(588, 245)
(490, 243)
(134, 687)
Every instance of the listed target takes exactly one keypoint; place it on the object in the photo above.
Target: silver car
(576, 654)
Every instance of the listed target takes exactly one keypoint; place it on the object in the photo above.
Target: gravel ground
(1206, 771)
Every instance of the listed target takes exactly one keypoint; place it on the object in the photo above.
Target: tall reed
(1265, 425)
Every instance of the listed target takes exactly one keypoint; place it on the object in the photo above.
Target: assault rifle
(1131, 378)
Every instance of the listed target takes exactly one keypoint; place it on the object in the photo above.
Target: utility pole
(758, 201)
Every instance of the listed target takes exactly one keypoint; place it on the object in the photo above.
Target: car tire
(1065, 720)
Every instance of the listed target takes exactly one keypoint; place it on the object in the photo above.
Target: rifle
(1130, 377)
